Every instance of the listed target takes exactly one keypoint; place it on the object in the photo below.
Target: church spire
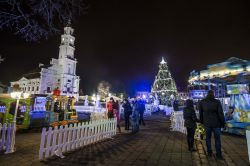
(68, 23)
(67, 42)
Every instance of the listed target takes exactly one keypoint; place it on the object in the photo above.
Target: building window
(37, 88)
(33, 88)
(48, 89)
(28, 88)
(69, 80)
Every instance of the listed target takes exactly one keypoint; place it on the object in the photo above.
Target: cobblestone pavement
(155, 144)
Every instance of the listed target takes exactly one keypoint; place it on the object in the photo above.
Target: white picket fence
(177, 122)
(5, 136)
(57, 141)
(82, 108)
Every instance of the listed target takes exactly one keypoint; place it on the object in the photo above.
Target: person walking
(212, 117)
(127, 112)
(176, 105)
(135, 117)
(190, 120)
(141, 112)
(116, 111)
(110, 108)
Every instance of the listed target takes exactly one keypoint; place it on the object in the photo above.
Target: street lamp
(15, 95)
(97, 104)
(94, 98)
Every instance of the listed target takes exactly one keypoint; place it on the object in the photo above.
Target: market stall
(230, 80)
(7, 111)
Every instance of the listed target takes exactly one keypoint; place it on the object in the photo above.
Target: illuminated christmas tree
(164, 85)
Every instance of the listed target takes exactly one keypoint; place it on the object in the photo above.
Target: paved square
(155, 144)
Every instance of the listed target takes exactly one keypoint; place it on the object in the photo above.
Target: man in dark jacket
(127, 112)
(212, 117)
(141, 111)
(176, 105)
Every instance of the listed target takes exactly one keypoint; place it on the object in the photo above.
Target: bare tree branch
(37, 19)
(1, 59)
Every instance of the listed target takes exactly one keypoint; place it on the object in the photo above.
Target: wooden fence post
(43, 138)
(59, 144)
(69, 137)
(74, 137)
(3, 136)
(65, 138)
(86, 133)
(53, 149)
(79, 128)
(1, 132)
(48, 145)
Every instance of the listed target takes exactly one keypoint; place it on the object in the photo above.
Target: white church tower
(60, 74)
(68, 81)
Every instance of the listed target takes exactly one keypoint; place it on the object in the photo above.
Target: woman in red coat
(110, 108)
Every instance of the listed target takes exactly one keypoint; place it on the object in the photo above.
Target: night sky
(122, 42)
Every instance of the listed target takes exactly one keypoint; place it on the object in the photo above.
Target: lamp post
(15, 95)
(97, 104)
(94, 99)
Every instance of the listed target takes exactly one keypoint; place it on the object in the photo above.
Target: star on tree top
(163, 61)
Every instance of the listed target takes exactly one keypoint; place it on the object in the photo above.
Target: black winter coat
(211, 113)
(189, 117)
(127, 109)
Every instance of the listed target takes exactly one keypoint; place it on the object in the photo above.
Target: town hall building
(59, 74)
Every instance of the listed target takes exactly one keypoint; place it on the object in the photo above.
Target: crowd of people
(210, 111)
(133, 113)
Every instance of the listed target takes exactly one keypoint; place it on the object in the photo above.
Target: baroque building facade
(59, 74)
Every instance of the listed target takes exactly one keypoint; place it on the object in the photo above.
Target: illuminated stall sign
(198, 94)
(40, 103)
(2, 109)
(235, 89)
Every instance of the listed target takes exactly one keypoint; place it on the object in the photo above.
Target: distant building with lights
(59, 74)
(143, 94)
(183, 95)
(217, 76)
